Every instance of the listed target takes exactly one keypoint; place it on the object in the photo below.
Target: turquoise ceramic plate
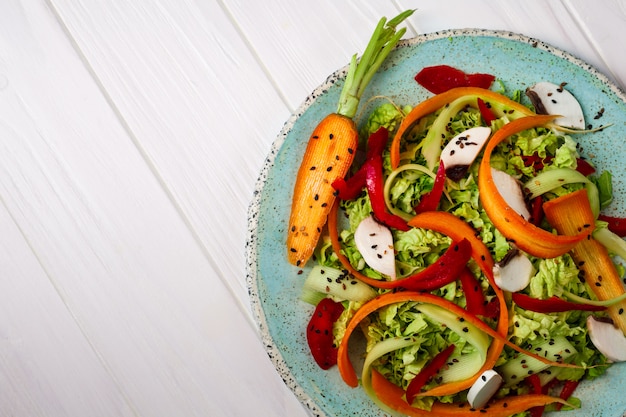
(275, 285)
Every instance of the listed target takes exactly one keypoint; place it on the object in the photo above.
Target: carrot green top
(361, 71)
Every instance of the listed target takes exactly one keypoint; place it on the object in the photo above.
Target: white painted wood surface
(131, 137)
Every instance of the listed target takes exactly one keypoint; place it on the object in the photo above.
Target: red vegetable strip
(319, 332)
(440, 78)
(474, 296)
(584, 167)
(445, 270)
(375, 189)
(427, 372)
(430, 200)
(485, 112)
(553, 304)
(480, 80)
(568, 389)
(374, 181)
(392, 395)
(616, 225)
(535, 385)
(350, 188)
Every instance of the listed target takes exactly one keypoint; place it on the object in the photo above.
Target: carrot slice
(392, 396)
(571, 213)
(346, 369)
(528, 237)
(498, 103)
(454, 227)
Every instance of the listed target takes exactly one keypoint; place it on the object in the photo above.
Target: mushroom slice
(514, 271)
(608, 339)
(553, 99)
(511, 191)
(375, 243)
(461, 151)
(484, 388)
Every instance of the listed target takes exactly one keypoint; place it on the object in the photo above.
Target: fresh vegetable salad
(465, 247)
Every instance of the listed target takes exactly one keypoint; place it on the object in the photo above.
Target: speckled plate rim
(254, 208)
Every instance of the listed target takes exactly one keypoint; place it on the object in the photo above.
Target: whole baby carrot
(332, 146)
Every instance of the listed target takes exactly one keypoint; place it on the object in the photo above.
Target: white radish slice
(514, 272)
(550, 98)
(608, 339)
(511, 191)
(484, 388)
(461, 151)
(375, 243)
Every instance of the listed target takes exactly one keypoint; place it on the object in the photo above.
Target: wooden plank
(47, 366)
(190, 72)
(115, 248)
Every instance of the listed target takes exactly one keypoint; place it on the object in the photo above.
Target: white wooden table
(131, 137)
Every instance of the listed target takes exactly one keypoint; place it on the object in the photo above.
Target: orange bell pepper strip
(392, 396)
(431, 105)
(528, 237)
(346, 369)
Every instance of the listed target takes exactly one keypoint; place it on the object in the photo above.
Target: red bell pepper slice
(441, 78)
(616, 225)
(445, 270)
(584, 167)
(351, 188)
(485, 112)
(568, 389)
(553, 304)
(430, 200)
(427, 372)
(535, 386)
(375, 183)
(370, 175)
(474, 296)
(319, 333)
